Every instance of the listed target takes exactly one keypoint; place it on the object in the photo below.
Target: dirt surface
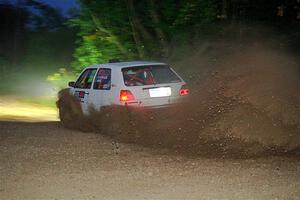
(45, 161)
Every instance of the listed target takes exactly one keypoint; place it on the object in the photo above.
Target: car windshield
(149, 75)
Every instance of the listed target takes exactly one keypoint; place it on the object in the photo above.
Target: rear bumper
(159, 107)
(152, 108)
(172, 102)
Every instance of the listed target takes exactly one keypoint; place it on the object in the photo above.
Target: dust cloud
(243, 101)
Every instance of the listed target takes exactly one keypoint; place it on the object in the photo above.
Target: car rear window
(149, 75)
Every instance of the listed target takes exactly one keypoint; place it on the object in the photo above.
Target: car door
(101, 93)
(82, 88)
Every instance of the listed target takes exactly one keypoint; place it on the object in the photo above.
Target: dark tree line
(33, 36)
(146, 29)
(12, 22)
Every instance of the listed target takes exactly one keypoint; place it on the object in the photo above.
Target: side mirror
(71, 84)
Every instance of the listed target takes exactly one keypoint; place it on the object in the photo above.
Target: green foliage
(103, 33)
(131, 29)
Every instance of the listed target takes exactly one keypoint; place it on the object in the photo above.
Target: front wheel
(65, 114)
(69, 109)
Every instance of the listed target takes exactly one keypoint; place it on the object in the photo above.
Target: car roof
(126, 64)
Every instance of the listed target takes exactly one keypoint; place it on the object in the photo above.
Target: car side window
(86, 79)
(103, 79)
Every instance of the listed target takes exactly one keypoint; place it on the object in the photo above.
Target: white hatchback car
(139, 84)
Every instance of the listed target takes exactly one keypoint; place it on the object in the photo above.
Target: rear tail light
(184, 90)
(126, 95)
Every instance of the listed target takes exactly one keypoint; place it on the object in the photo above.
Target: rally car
(139, 84)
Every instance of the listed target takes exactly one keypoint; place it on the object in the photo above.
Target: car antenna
(114, 60)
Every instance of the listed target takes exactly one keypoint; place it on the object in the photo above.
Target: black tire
(69, 108)
(65, 114)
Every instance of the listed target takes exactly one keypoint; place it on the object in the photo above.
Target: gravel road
(43, 161)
